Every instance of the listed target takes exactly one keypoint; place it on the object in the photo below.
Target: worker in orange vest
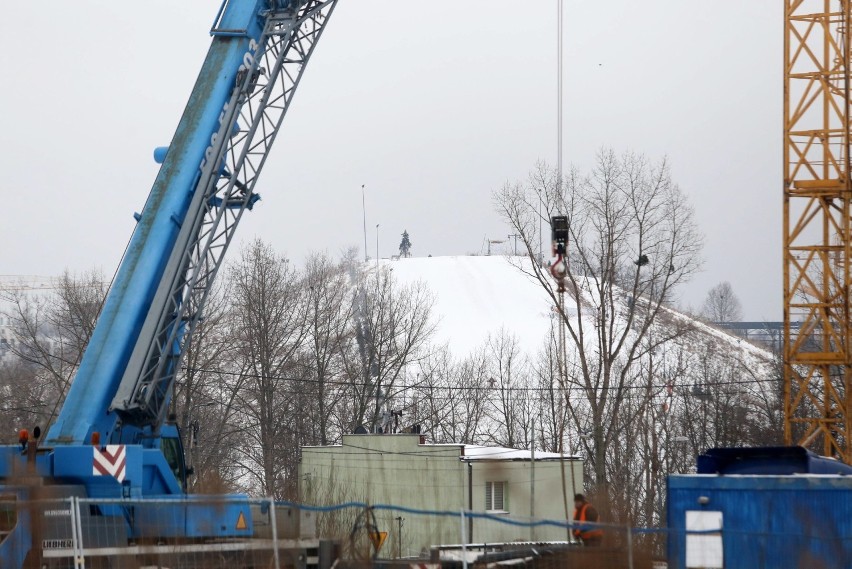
(585, 512)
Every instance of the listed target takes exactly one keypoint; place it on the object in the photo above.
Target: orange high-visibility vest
(585, 533)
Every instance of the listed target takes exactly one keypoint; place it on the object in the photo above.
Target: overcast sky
(432, 105)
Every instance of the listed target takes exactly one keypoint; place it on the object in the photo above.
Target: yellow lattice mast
(817, 356)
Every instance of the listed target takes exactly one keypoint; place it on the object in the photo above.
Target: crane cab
(172, 448)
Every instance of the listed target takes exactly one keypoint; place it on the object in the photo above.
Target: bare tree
(51, 332)
(510, 405)
(393, 326)
(451, 397)
(269, 327)
(22, 399)
(329, 315)
(206, 398)
(731, 400)
(633, 240)
(645, 442)
(430, 403)
(553, 400)
(722, 304)
(470, 399)
(698, 391)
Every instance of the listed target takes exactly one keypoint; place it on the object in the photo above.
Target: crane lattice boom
(817, 359)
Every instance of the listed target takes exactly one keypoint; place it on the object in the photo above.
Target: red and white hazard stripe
(110, 462)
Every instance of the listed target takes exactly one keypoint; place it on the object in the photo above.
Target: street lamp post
(515, 237)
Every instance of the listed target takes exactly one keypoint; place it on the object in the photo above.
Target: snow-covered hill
(476, 296)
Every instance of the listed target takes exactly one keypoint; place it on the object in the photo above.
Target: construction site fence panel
(240, 532)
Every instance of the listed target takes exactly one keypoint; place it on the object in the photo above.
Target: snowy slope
(477, 295)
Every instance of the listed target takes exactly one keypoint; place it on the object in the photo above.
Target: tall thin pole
(464, 541)
(399, 538)
(561, 360)
(364, 210)
(532, 484)
(560, 352)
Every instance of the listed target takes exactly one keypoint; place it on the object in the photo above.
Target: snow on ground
(475, 296)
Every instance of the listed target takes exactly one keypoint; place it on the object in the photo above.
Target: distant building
(7, 339)
(402, 470)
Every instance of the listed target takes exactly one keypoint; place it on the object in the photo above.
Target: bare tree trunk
(329, 314)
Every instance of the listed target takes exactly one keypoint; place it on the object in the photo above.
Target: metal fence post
(463, 541)
(273, 523)
(73, 520)
(77, 534)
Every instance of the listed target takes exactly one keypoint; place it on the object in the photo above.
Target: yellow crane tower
(817, 253)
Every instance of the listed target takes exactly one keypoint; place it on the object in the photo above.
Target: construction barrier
(236, 533)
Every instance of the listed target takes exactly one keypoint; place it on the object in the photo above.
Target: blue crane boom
(111, 438)
(122, 388)
(153, 257)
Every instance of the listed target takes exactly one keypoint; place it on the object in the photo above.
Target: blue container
(769, 521)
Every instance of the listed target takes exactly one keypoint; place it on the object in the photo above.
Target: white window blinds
(495, 496)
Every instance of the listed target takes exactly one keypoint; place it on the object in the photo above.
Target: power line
(494, 389)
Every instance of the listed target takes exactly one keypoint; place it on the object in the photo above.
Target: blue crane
(111, 438)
